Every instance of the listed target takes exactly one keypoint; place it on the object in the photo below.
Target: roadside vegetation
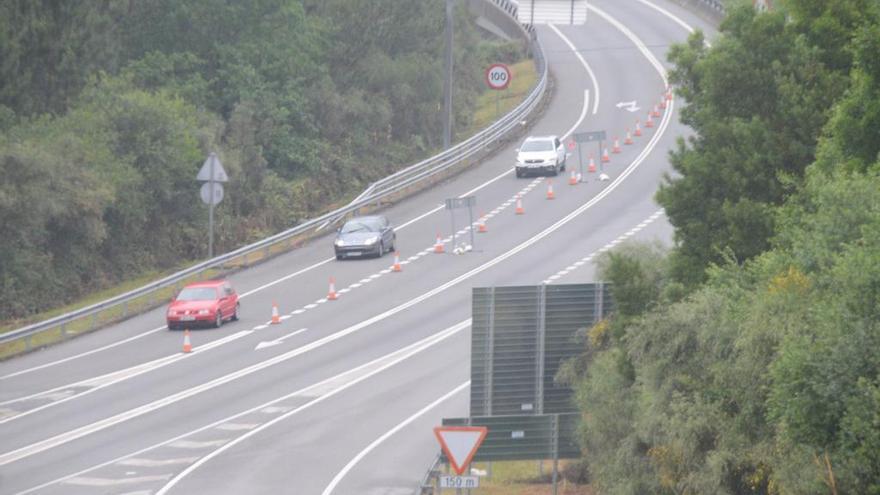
(109, 108)
(745, 360)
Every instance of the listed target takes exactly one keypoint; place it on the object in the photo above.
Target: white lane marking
(116, 481)
(279, 340)
(652, 143)
(260, 327)
(636, 41)
(328, 260)
(285, 317)
(298, 312)
(310, 306)
(687, 27)
(353, 462)
(141, 462)
(97, 383)
(342, 291)
(373, 368)
(237, 426)
(584, 63)
(195, 444)
(268, 410)
(587, 258)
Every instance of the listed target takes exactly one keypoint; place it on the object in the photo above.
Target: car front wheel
(218, 319)
(235, 312)
(381, 250)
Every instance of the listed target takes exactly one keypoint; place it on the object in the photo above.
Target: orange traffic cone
(605, 157)
(668, 94)
(187, 346)
(638, 131)
(655, 112)
(573, 180)
(438, 246)
(331, 294)
(591, 168)
(649, 122)
(629, 138)
(519, 206)
(663, 102)
(616, 147)
(276, 318)
(481, 225)
(550, 193)
(396, 266)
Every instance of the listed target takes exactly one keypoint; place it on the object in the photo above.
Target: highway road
(342, 395)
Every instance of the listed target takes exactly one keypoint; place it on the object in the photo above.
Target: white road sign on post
(213, 175)
(460, 444)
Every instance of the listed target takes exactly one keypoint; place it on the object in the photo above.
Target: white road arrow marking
(630, 106)
(279, 340)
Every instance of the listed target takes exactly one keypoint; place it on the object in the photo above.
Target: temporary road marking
(141, 462)
(237, 426)
(81, 481)
(193, 444)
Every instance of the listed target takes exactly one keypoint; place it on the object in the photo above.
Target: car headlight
(340, 242)
(204, 311)
(371, 241)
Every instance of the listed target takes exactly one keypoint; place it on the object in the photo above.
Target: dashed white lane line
(237, 426)
(584, 260)
(310, 306)
(141, 462)
(260, 327)
(194, 444)
(85, 481)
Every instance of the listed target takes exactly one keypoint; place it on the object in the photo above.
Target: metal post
(539, 386)
(533, 13)
(211, 214)
(555, 452)
(447, 80)
(452, 215)
(572, 12)
(490, 365)
(471, 223)
(497, 103)
(580, 163)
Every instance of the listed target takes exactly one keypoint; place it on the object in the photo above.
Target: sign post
(498, 78)
(588, 137)
(213, 175)
(453, 204)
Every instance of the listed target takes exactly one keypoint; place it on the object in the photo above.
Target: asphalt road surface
(341, 396)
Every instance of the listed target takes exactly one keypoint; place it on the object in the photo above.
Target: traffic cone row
(616, 147)
(591, 168)
(550, 193)
(605, 157)
(629, 138)
(572, 181)
(649, 122)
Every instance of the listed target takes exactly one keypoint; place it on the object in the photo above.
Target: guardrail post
(94, 321)
(125, 309)
(267, 251)
(27, 343)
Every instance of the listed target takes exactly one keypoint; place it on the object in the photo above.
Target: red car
(203, 304)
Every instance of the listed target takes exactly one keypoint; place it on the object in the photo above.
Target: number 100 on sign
(498, 76)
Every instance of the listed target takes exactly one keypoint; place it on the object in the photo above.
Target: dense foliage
(746, 359)
(108, 109)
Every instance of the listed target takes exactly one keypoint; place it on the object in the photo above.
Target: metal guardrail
(374, 194)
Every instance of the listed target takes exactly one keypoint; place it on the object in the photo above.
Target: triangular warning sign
(460, 443)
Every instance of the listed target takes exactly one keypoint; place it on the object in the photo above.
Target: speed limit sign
(498, 76)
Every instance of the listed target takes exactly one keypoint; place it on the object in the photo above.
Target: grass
(523, 478)
(522, 79)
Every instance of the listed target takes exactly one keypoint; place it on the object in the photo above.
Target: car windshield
(361, 225)
(543, 145)
(197, 294)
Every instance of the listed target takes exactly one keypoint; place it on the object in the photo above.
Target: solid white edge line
(353, 462)
(426, 343)
(419, 347)
(687, 27)
(584, 63)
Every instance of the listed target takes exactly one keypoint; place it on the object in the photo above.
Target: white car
(540, 154)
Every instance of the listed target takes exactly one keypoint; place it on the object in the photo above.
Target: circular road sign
(571, 145)
(207, 197)
(498, 76)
